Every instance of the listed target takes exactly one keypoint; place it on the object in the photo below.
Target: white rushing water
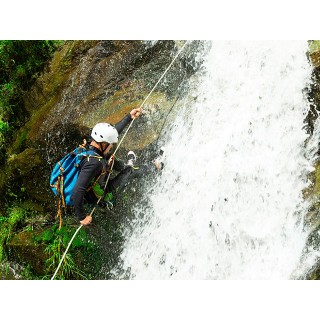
(228, 204)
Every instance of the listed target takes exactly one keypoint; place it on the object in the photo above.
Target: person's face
(105, 144)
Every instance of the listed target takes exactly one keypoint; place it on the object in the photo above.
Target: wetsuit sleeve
(88, 171)
(118, 165)
(123, 123)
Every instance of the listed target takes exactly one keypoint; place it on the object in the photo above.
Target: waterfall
(228, 203)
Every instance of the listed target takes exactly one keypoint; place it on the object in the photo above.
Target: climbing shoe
(159, 161)
(131, 156)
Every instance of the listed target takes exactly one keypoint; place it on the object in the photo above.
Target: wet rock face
(22, 248)
(88, 82)
(10, 271)
(314, 53)
(313, 91)
(87, 91)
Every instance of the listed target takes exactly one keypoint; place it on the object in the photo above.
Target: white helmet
(104, 132)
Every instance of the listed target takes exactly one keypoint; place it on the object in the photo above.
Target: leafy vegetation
(56, 242)
(8, 224)
(68, 269)
(20, 64)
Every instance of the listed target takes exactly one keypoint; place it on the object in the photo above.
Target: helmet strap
(103, 149)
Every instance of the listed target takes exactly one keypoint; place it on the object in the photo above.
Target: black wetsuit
(92, 169)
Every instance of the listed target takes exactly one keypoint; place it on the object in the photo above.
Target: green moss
(53, 83)
(40, 115)
(20, 64)
(8, 224)
(4, 233)
(16, 214)
(314, 52)
(20, 141)
(32, 206)
(25, 161)
(314, 46)
(316, 189)
(4, 128)
(23, 178)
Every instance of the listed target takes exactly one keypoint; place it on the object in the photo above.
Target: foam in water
(228, 204)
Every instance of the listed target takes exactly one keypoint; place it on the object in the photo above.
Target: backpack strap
(60, 194)
(101, 174)
(108, 170)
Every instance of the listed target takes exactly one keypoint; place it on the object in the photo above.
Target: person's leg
(128, 174)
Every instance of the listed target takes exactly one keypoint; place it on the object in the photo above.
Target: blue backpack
(65, 174)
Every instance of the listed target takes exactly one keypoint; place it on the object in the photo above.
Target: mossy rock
(314, 52)
(25, 162)
(24, 249)
(24, 176)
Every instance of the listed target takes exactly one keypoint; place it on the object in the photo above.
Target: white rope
(70, 242)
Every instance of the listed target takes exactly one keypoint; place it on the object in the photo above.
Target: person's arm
(118, 165)
(89, 170)
(134, 114)
(123, 123)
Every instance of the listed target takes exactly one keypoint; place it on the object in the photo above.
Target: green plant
(3, 219)
(4, 232)
(56, 243)
(65, 233)
(16, 215)
(68, 268)
(4, 130)
(4, 127)
(8, 224)
(4, 270)
(20, 65)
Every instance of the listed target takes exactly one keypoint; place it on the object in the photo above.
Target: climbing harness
(112, 161)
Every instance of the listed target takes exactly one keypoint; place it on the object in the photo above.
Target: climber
(93, 174)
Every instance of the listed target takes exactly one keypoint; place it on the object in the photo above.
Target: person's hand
(158, 164)
(87, 220)
(135, 113)
(111, 159)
